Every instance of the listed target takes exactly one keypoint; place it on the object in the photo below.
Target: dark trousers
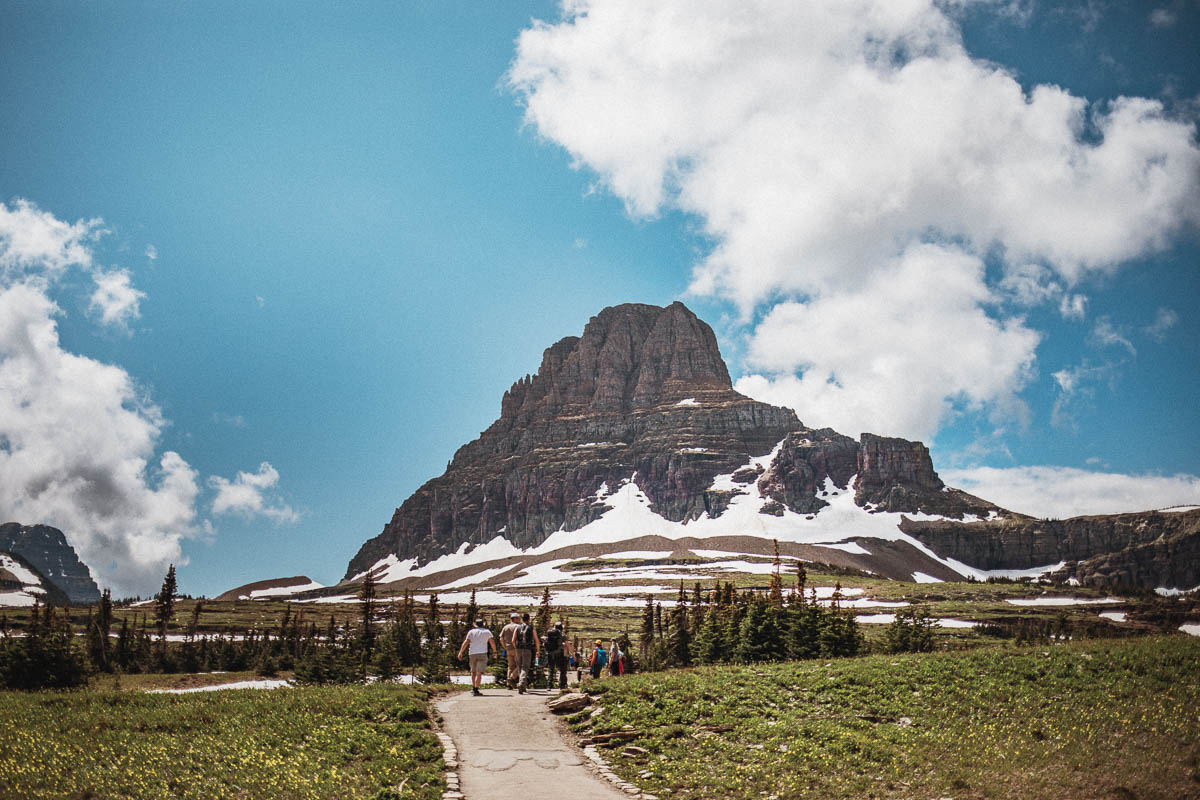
(558, 664)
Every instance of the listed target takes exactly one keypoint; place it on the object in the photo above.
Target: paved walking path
(509, 748)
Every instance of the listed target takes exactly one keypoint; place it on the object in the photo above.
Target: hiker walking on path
(599, 659)
(616, 658)
(528, 648)
(479, 640)
(557, 651)
(508, 643)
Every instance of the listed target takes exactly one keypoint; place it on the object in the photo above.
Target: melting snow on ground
(1060, 601)
(1191, 628)
(940, 622)
(281, 591)
(19, 599)
(1165, 592)
(258, 684)
(1115, 616)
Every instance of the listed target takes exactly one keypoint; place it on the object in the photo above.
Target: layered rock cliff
(643, 394)
(1145, 549)
(47, 550)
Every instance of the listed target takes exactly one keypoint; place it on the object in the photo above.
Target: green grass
(1096, 719)
(315, 742)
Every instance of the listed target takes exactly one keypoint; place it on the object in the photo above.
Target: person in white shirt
(480, 641)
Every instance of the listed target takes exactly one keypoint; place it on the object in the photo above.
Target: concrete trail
(509, 748)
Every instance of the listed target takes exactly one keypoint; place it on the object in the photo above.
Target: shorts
(478, 662)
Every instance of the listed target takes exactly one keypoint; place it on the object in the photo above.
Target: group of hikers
(524, 648)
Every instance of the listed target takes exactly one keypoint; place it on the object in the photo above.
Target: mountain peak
(631, 356)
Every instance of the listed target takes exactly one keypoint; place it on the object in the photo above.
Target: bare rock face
(1144, 549)
(643, 392)
(47, 550)
(797, 475)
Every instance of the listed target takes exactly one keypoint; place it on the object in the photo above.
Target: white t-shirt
(478, 640)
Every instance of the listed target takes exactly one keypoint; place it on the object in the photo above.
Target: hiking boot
(476, 692)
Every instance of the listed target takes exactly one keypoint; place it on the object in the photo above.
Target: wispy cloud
(1164, 320)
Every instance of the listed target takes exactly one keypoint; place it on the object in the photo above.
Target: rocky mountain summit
(46, 549)
(632, 438)
(644, 395)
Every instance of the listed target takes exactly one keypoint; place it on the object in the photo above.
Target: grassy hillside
(1098, 719)
(349, 742)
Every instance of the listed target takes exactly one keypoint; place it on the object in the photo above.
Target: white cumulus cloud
(115, 299)
(1068, 491)
(817, 143)
(246, 495)
(854, 348)
(77, 451)
(80, 439)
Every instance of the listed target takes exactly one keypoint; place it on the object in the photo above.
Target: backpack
(554, 640)
(524, 637)
(601, 657)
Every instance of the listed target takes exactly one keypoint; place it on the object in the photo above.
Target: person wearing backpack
(528, 648)
(615, 658)
(556, 654)
(599, 659)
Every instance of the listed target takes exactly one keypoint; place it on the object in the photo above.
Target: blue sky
(337, 234)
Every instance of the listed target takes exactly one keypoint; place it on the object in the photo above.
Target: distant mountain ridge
(47, 550)
(636, 424)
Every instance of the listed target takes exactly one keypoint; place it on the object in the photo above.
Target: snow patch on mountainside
(28, 592)
(841, 525)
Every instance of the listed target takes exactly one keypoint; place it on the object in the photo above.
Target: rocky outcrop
(1145, 549)
(1171, 562)
(797, 475)
(47, 550)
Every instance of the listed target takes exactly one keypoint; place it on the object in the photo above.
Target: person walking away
(614, 658)
(556, 655)
(528, 648)
(599, 659)
(478, 642)
(509, 644)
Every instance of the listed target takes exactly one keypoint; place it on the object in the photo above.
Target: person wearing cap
(508, 642)
(599, 659)
(479, 640)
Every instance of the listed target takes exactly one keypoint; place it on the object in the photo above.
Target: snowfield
(841, 525)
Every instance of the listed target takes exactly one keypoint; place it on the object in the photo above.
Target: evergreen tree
(545, 613)
(680, 645)
(366, 597)
(709, 645)
(761, 639)
(646, 637)
(910, 632)
(164, 606)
